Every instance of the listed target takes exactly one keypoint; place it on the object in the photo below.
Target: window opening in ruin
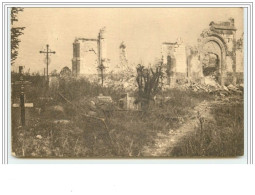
(211, 64)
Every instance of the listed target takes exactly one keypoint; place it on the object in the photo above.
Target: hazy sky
(142, 29)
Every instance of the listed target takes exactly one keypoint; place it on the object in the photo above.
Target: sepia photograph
(127, 83)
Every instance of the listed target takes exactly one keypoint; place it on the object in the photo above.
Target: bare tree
(149, 84)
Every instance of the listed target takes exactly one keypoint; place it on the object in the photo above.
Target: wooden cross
(22, 103)
(47, 52)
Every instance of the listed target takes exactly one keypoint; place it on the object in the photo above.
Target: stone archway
(211, 64)
(223, 52)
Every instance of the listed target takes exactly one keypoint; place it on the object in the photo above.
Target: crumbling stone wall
(194, 68)
(174, 62)
(224, 34)
(88, 54)
(181, 64)
(84, 57)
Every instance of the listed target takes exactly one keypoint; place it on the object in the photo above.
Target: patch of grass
(75, 89)
(223, 137)
(126, 134)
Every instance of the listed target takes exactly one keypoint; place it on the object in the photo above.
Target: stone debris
(39, 137)
(105, 99)
(210, 81)
(92, 113)
(212, 87)
(62, 121)
(38, 110)
(57, 108)
(171, 132)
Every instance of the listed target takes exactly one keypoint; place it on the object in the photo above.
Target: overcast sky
(142, 29)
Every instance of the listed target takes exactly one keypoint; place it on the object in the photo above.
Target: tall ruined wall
(88, 57)
(88, 54)
(180, 56)
(85, 58)
(239, 61)
(175, 61)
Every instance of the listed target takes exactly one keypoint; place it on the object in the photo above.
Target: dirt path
(164, 143)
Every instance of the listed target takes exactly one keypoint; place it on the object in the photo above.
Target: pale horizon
(142, 29)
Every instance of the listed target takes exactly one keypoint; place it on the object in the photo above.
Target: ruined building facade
(217, 55)
(89, 54)
(174, 61)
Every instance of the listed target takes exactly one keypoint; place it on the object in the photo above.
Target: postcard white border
(248, 92)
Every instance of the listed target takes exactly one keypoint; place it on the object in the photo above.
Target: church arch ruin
(224, 35)
(221, 55)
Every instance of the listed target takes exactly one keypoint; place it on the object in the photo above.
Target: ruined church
(217, 55)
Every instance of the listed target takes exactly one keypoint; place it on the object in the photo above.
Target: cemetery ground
(68, 122)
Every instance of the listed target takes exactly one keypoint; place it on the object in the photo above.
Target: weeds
(127, 132)
(223, 137)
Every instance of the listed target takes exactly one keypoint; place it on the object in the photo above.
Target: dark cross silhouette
(22, 104)
(47, 52)
(101, 68)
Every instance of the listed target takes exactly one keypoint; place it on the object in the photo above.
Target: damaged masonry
(216, 59)
(217, 55)
(151, 84)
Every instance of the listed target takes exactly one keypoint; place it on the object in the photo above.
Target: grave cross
(22, 104)
(47, 52)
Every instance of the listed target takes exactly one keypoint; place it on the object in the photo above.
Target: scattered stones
(213, 87)
(64, 122)
(231, 87)
(106, 99)
(241, 86)
(92, 113)
(225, 88)
(57, 108)
(210, 81)
(38, 110)
(39, 137)
(45, 98)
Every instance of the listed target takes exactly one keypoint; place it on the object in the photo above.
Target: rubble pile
(125, 81)
(212, 87)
